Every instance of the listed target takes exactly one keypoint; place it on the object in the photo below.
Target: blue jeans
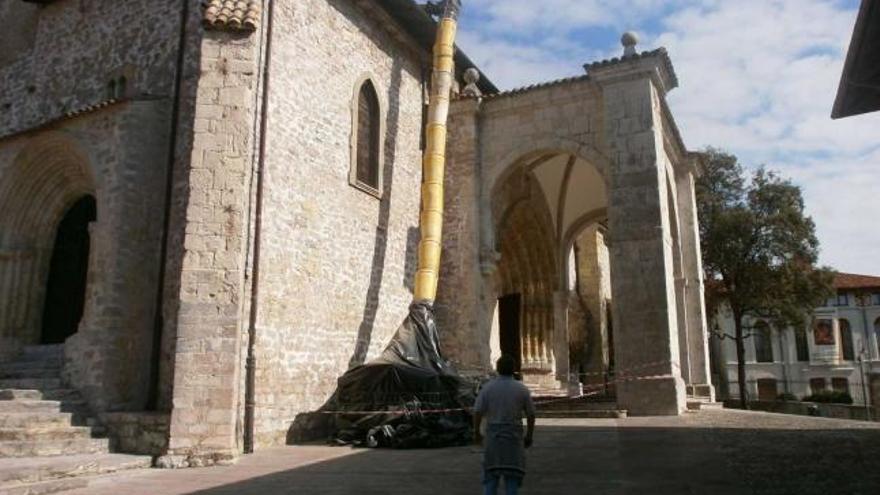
(491, 482)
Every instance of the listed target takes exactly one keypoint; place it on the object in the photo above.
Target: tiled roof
(525, 89)
(232, 15)
(659, 52)
(853, 281)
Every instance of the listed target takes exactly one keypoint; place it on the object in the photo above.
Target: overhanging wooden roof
(859, 90)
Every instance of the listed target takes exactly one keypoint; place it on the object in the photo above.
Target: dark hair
(505, 365)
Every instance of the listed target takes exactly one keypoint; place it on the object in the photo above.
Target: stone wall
(137, 433)
(337, 263)
(208, 249)
(118, 155)
(66, 59)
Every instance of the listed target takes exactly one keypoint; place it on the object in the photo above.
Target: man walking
(502, 402)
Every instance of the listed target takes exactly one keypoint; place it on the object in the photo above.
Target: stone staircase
(48, 439)
(695, 404)
(577, 407)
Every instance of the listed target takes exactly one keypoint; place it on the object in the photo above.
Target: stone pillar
(643, 286)
(207, 262)
(683, 332)
(560, 335)
(464, 315)
(692, 265)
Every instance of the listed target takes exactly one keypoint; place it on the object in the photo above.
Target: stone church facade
(213, 208)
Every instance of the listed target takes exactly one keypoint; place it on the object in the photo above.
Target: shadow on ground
(613, 460)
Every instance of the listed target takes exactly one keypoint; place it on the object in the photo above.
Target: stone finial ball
(629, 39)
(471, 76)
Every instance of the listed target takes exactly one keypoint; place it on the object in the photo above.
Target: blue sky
(757, 77)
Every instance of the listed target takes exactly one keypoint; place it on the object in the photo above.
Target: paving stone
(37, 469)
(710, 452)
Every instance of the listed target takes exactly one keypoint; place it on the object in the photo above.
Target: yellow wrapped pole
(431, 219)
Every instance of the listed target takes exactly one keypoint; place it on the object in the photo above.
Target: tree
(759, 249)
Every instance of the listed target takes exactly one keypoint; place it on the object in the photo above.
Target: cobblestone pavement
(711, 452)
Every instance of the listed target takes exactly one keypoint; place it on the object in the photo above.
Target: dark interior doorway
(509, 311)
(66, 285)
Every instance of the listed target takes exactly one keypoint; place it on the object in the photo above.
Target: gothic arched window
(367, 142)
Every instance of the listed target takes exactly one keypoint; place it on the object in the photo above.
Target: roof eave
(413, 18)
(842, 102)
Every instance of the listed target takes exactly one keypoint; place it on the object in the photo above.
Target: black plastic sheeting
(408, 397)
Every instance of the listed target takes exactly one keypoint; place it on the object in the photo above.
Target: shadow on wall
(380, 249)
(655, 460)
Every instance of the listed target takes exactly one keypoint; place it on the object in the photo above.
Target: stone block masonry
(337, 262)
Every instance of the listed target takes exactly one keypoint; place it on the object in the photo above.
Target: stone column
(683, 328)
(698, 336)
(643, 286)
(464, 315)
(560, 335)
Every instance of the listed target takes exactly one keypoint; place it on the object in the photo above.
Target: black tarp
(408, 397)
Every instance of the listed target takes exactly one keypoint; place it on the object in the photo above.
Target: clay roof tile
(854, 281)
(232, 15)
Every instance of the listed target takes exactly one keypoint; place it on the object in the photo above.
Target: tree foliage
(759, 248)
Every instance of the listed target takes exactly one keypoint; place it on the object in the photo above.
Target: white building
(838, 350)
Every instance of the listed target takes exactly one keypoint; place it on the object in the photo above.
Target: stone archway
(45, 180)
(538, 203)
(615, 119)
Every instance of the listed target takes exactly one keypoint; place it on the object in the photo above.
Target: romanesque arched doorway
(68, 267)
(47, 196)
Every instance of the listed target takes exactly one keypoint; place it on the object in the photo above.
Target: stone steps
(42, 352)
(39, 417)
(586, 414)
(43, 433)
(30, 383)
(38, 476)
(577, 407)
(565, 406)
(703, 405)
(59, 394)
(28, 448)
(29, 420)
(20, 373)
(36, 406)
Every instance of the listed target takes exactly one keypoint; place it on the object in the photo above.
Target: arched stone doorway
(68, 268)
(539, 206)
(614, 123)
(48, 184)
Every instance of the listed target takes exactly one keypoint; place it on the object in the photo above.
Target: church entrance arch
(68, 268)
(47, 198)
(537, 204)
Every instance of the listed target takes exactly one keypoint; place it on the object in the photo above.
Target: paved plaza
(711, 452)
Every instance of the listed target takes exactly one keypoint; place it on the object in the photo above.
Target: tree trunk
(741, 360)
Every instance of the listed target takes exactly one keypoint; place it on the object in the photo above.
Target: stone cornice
(655, 64)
